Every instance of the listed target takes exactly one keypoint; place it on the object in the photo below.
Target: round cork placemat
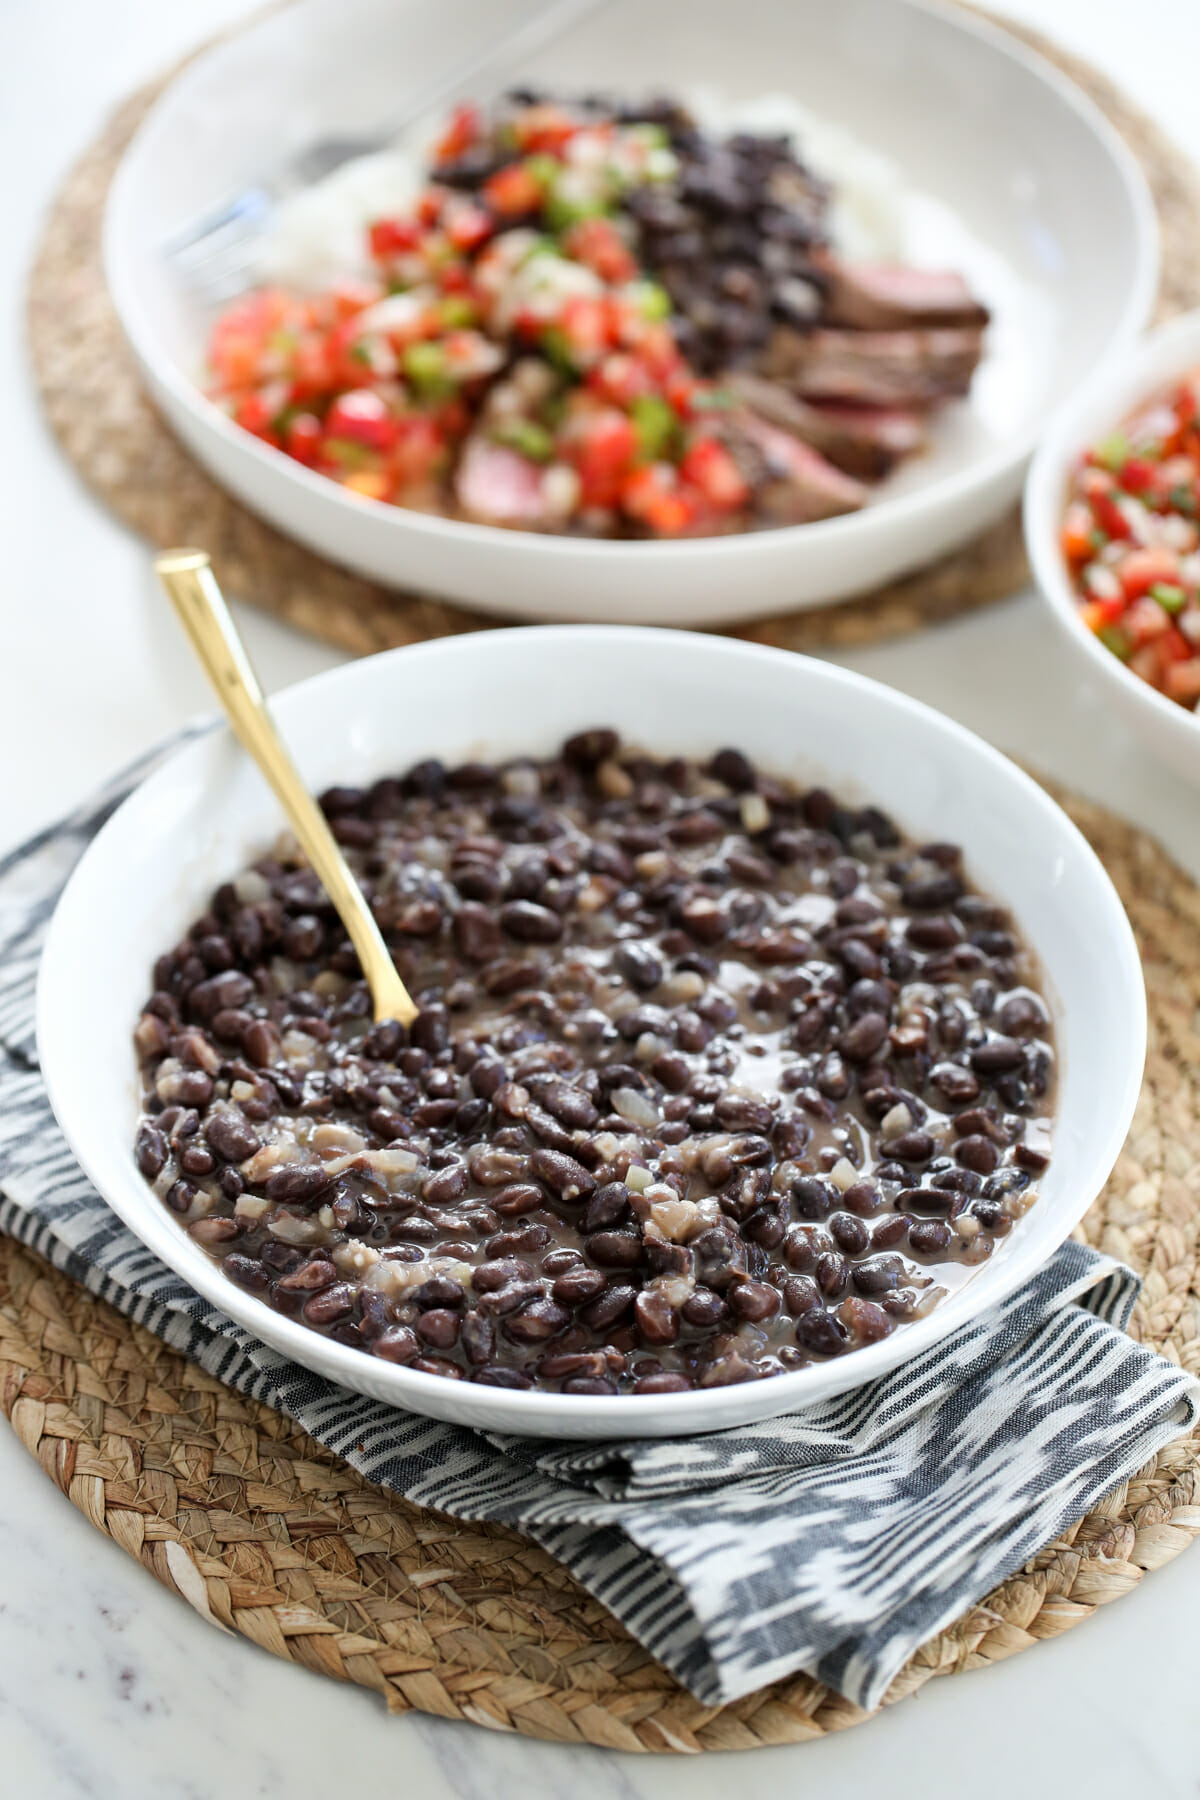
(265, 1533)
(124, 451)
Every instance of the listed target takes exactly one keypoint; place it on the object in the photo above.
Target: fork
(214, 253)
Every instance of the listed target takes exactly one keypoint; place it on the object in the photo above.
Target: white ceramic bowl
(1098, 409)
(206, 812)
(1014, 177)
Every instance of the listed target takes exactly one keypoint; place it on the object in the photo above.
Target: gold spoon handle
(189, 581)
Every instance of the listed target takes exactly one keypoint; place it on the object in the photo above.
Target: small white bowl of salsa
(1112, 527)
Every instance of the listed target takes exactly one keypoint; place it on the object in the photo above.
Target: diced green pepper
(1170, 597)
(652, 301)
(557, 350)
(1113, 451)
(425, 367)
(526, 436)
(1182, 500)
(346, 453)
(657, 425)
(543, 168)
(1114, 638)
(457, 311)
(561, 212)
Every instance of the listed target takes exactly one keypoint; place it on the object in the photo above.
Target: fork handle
(189, 581)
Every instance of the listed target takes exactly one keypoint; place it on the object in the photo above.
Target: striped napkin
(835, 1540)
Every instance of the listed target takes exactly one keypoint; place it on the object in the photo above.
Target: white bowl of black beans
(773, 1027)
(1051, 223)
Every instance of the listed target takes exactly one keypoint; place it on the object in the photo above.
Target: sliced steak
(876, 368)
(792, 483)
(865, 441)
(891, 297)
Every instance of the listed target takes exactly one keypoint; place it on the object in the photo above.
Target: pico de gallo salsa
(512, 360)
(1131, 538)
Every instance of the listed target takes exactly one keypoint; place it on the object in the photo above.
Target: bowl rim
(517, 1410)
(1109, 393)
(551, 547)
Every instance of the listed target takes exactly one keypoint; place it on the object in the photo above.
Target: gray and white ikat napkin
(835, 1540)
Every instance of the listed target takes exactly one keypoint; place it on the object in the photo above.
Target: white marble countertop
(107, 1684)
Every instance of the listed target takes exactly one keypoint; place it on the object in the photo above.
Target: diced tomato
(1146, 619)
(603, 448)
(463, 130)
(303, 437)
(681, 390)
(363, 418)
(1182, 681)
(544, 128)
(372, 484)
(621, 378)
(584, 325)
(420, 450)
(468, 226)
(653, 496)
(1077, 531)
(429, 206)
(599, 245)
(1138, 476)
(393, 237)
(256, 414)
(1140, 569)
(1185, 406)
(514, 192)
(708, 465)
(349, 296)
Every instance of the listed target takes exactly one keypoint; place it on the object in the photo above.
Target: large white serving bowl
(1014, 177)
(206, 811)
(1097, 410)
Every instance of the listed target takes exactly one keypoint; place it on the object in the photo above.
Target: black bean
(821, 1333)
(753, 1300)
(608, 1206)
(997, 1056)
(849, 1233)
(439, 1327)
(150, 1150)
(615, 1249)
(303, 1182)
(909, 1147)
(542, 1319)
(478, 1338)
(978, 1153)
(704, 1308)
(568, 1178)
(878, 1274)
(861, 1040)
(813, 1198)
(530, 923)
(587, 749)
(957, 1084)
(868, 1322)
(477, 932)
(397, 1344)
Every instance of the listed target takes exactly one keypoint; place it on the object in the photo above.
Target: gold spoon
(188, 578)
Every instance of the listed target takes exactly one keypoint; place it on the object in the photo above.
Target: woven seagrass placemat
(123, 450)
(266, 1534)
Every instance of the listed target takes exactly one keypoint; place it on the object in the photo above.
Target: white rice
(320, 234)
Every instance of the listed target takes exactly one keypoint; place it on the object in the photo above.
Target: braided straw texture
(102, 418)
(265, 1533)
